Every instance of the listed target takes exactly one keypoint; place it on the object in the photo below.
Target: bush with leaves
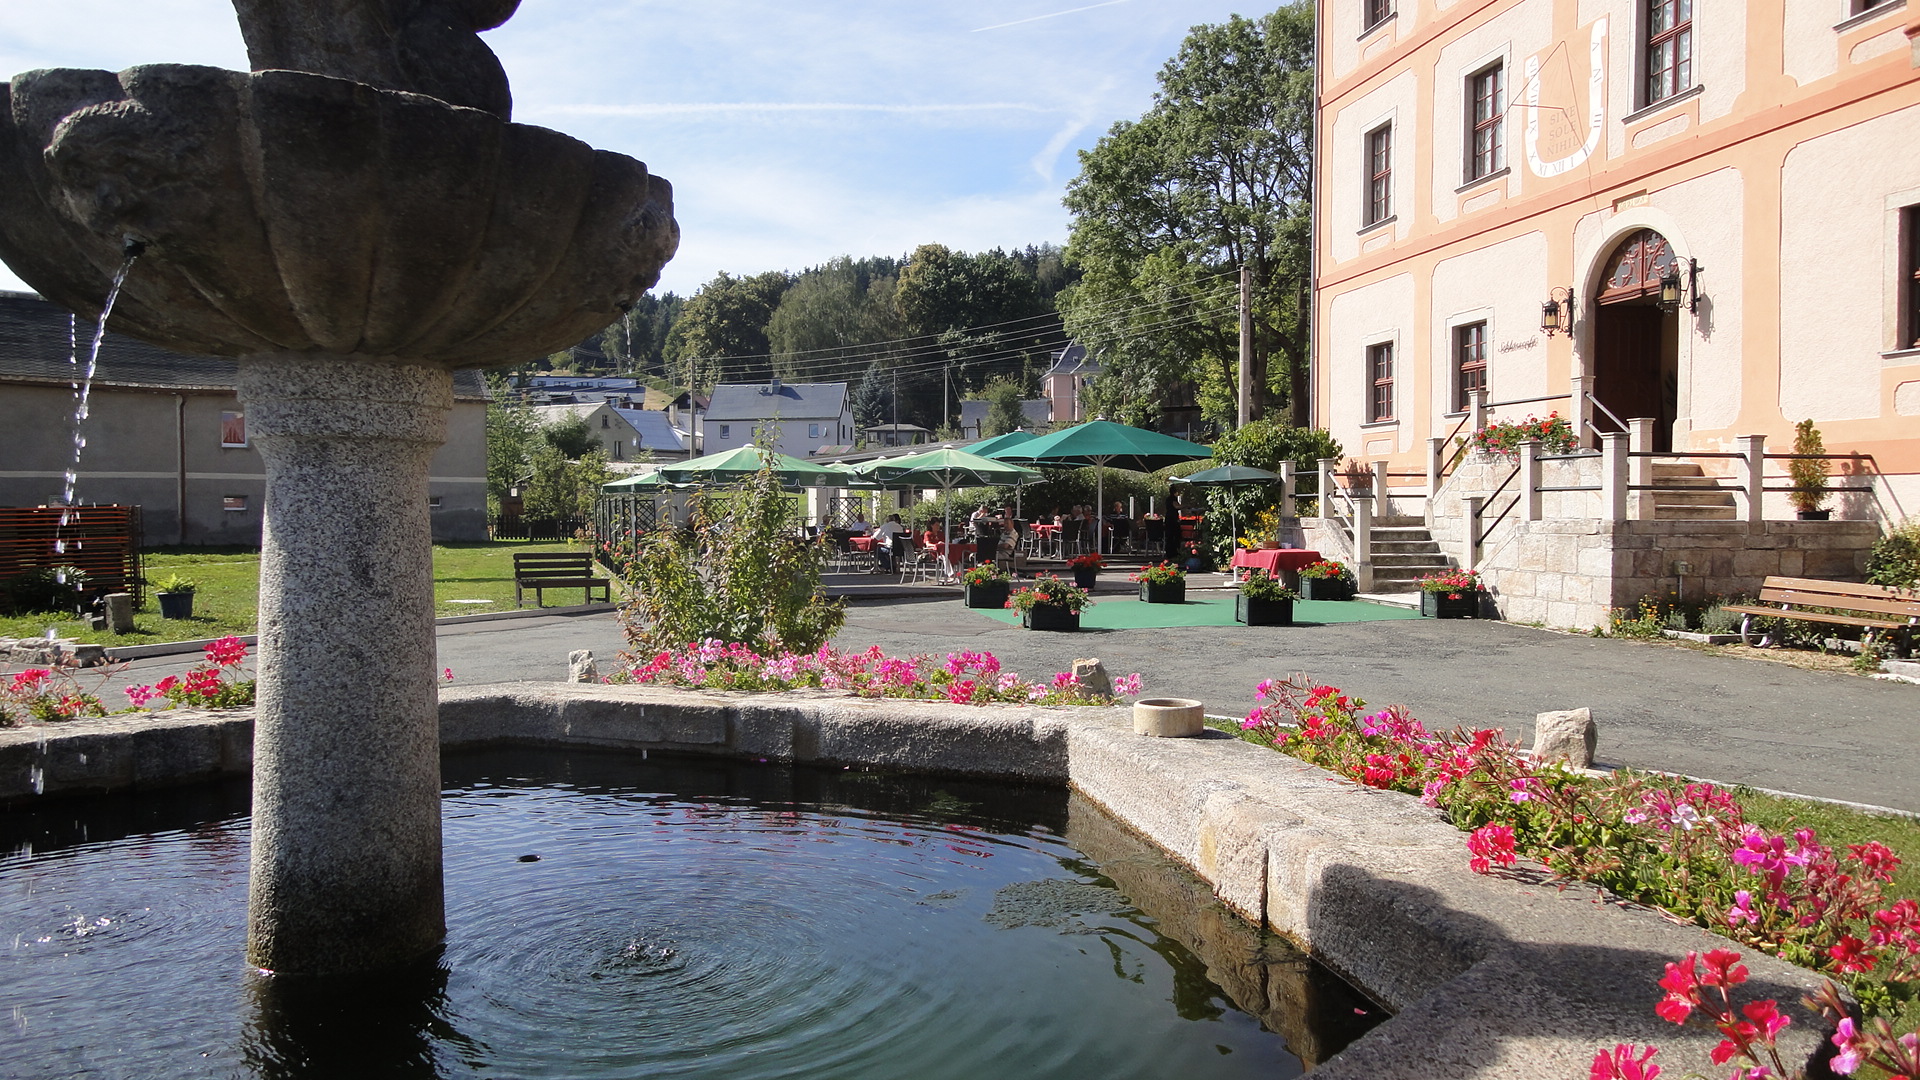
(1895, 559)
(735, 571)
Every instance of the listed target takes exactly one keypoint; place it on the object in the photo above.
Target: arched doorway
(1636, 343)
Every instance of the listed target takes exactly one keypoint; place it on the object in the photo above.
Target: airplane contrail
(1054, 15)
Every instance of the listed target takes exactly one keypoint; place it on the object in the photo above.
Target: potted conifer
(1809, 473)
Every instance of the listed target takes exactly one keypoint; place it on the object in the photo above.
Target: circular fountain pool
(610, 916)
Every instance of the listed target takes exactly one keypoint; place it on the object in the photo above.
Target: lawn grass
(227, 599)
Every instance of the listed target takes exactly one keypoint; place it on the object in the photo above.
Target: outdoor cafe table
(862, 543)
(951, 557)
(1283, 564)
(1049, 539)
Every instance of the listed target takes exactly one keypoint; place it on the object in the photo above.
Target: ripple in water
(758, 923)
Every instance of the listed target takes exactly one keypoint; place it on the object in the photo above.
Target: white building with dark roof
(166, 432)
(625, 433)
(806, 418)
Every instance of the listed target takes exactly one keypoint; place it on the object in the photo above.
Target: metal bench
(540, 571)
(1789, 596)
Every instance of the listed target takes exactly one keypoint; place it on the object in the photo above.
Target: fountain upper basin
(288, 212)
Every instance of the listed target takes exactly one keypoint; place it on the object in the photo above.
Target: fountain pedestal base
(346, 794)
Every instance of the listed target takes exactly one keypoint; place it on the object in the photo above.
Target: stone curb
(1503, 976)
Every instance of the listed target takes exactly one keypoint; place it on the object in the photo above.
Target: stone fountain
(351, 221)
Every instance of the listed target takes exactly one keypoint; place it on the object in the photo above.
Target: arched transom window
(1636, 268)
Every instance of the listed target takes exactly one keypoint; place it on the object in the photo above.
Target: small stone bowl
(1168, 718)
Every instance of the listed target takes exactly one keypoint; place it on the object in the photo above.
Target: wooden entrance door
(1635, 344)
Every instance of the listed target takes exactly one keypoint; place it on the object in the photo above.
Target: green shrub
(46, 588)
(1718, 620)
(1895, 559)
(735, 571)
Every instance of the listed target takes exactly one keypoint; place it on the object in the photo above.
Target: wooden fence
(104, 541)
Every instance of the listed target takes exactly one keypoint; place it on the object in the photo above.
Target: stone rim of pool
(1487, 976)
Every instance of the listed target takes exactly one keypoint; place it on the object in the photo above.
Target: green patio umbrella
(1103, 443)
(732, 466)
(645, 480)
(991, 447)
(946, 469)
(1230, 477)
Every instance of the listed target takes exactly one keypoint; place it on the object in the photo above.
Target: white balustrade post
(1436, 464)
(1582, 391)
(1640, 474)
(1474, 504)
(1529, 480)
(1615, 475)
(1327, 467)
(1477, 408)
(1382, 505)
(1754, 477)
(1363, 543)
(1286, 489)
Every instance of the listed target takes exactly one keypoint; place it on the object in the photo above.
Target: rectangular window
(1469, 363)
(1379, 174)
(1377, 13)
(1380, 363)
(1861, 7)
(234, 503)
(813, 431)
(433, 502)
(1487, 148)
(1910, 276)
(726, 430)
(1669, 48)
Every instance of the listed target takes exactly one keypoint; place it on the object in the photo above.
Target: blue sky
(792, 132)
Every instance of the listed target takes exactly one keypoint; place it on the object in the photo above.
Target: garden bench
(1789, 596)
(556, 570)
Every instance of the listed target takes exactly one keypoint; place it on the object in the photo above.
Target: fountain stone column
(346, 799)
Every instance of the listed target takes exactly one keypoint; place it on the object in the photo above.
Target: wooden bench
(1790, 595)
(556, 570)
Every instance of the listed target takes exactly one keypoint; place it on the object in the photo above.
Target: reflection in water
(1260, 973)
(391, 1024)
(758, 923)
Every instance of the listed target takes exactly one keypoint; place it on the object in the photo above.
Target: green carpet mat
(1209, 609)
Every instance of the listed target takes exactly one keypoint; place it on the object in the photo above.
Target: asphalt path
(1742, 721)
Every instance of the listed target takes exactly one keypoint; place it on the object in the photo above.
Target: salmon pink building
(1683, 225)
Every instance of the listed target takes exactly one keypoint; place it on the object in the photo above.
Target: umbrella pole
(1100, 505)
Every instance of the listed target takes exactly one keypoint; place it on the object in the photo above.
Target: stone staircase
(1403, 553)
(1707, 505)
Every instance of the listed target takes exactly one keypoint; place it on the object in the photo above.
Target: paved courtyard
(1766, 724)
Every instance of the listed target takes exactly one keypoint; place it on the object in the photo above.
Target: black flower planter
(1262, 612)
(1050, 617)
(176, 605)
(988, 596)
(1439, 605)
(1326, 588)
(1813, 515)
(1084, 579)
(1172, 592)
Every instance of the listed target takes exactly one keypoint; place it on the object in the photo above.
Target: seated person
(885, 535)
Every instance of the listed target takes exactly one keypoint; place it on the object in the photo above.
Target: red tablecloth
(862, 543)
(1274, 560)
(1046, 530)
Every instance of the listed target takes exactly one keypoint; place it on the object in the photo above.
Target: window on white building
(1380, 365)
(1486, 123)
(1469, 363)
(1379, 174)
(1669, 48)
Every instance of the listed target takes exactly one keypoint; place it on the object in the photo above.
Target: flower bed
(965, 678)
(1681, 846)
(54, 694)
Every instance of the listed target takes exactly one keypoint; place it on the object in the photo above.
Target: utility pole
(1246, 346)
(946, 382)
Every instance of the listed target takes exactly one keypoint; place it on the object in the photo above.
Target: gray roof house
(627, 434)
(1038, 413)
(166, 432)
(806, 418)
(1063, 381)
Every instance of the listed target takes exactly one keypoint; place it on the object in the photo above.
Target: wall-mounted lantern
(1670, 288)
(1556, 315)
